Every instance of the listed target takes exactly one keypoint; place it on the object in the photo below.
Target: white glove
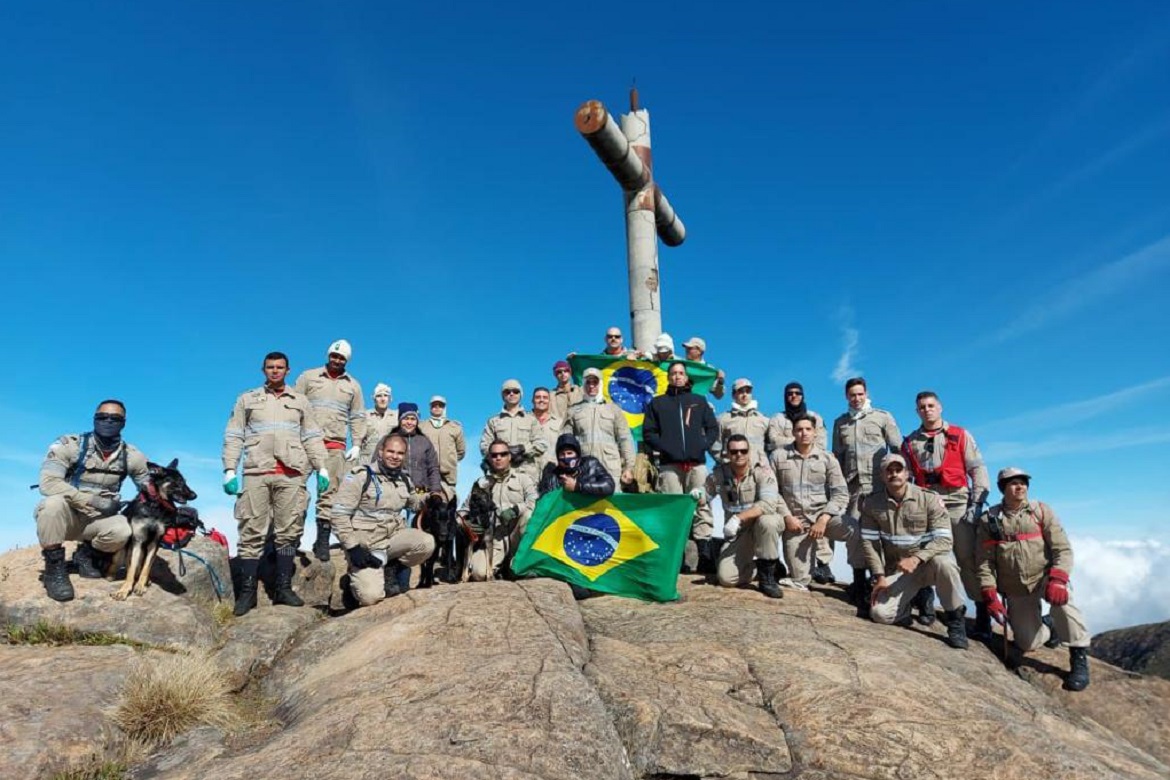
(731, 527)
(352, 453)
(229, 475)
(699, 495)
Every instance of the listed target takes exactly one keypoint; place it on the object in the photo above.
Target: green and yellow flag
(625, 544)
(632, 383)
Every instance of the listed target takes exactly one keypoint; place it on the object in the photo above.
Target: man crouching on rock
(1024, 552)
(80, 480)
(906, 536)
(367, 518)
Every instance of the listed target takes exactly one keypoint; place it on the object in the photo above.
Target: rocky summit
(516, 680)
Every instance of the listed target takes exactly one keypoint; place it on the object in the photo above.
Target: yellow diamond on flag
(594, 540)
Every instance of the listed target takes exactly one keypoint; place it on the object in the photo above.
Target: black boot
(321, 546)
(286, 563)
(822, 574)
(1078, 673)
(956, 623)
(708, 555)
(89, 562)
(860, 592)
(246, 596)
(392, 578)
(766, 578)
(1053, 640)
(982, 632)
(924, 602)
(56, 578)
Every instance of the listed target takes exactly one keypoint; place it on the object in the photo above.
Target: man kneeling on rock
(906, 537)
(368, 520)
(1024, 552)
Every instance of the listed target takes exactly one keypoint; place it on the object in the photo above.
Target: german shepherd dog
(439, 519)
(150, 515)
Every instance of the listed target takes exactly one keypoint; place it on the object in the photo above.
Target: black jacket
(681, 426)
(592, 478)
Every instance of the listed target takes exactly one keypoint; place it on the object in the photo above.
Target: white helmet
(340, 347)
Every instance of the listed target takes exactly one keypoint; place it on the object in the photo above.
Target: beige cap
(438, 399)
(741, 382)
(695, 341)
(591, 372)
(381, 389)
(511, 384)
(893, 457)
(1011, 471)
(664, 343)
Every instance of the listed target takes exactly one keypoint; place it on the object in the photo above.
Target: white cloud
(1072, 443)
(849, 342)
(1118, 583)
(1068, 414)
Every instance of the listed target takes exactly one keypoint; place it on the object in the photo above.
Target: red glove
(1056, 592)
(994, 606)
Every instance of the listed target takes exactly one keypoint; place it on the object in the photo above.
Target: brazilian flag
(631, 384)
(624, 544)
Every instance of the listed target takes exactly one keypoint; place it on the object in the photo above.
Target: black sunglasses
(613, 335)
(794, 392)
(511, 391)
(737, 452)
(109, 417)
(503, 454)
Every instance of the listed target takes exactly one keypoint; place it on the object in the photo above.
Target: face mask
(108, 431)
(568, 463)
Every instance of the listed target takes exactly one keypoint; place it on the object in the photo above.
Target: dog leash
(215, 581)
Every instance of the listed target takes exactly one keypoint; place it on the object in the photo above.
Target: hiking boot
(246, 596)
(392, 578)
(1078, 673)
(56, 578)
(822, 574)
(924, 602)
(321, 546)
(859, 592)
(982, 632)
(708, 555)
(580, 593)
(956, 623)
(88, 561)
(766, 579)
(286, 563)
(1053, 640)
(349, 601)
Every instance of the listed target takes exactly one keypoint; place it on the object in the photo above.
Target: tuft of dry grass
(110, 762)
(167, 695)
(223, 613)
(53, 635)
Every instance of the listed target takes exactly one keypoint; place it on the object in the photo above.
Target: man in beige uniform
(450, 444)
(906, 538)
(369, 523)
(815, 494)
(1025, 554)
(336, 400)
(695, 349)
(514, 496)
(518, 428)
(602, 430)
(861, 437)
(379, 421)
(81, 479)
(276, 432)
(744, 418)
(752, 511)
(548, 424)
(565, 394)
(944, 458)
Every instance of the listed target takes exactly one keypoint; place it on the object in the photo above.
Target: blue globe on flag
(632, 387)
(593, 539)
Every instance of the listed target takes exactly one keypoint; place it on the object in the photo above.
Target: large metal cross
(626, 152)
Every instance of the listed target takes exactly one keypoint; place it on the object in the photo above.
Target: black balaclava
(108, 433)
(791, 411)
(566, 442)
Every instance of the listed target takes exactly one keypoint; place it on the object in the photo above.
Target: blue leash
(210, 570)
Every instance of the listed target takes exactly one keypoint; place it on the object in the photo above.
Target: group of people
(910, 511)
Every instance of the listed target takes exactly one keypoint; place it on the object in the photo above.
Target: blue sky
(975, 198)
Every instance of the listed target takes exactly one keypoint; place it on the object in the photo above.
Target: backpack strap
(79, 466)
(377, 485)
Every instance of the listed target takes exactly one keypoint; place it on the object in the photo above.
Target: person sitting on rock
(906, 537)
(368, 520)
(511, 496)
(574, 472)
(1025, 554)
(80, 479)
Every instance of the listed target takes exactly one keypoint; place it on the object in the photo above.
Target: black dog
(479, 525)
(151, 514)
(438, 519)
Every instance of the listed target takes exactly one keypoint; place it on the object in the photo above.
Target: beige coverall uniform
(88, 512)
(859, 444)
(450, 447)
(268, 427)
(956, 500)
(746, 422)
(512, 490)
(548, 430)
(372, 518)
(518, 429)
(377, 427)
(779, 432)
(1031, 541)
(812, 485)
(604, 433)
(917, 526)
(564, 397)
(337, 405)
(759, 538)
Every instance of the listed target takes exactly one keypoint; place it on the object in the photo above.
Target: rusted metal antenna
(626, 152)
